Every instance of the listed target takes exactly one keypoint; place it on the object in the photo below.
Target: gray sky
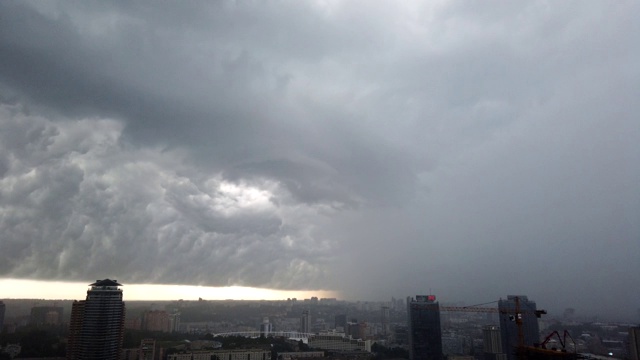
(379, 149)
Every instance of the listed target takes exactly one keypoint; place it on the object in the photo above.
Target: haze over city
(356, 149)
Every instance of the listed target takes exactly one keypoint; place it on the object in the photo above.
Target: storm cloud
(376, 149)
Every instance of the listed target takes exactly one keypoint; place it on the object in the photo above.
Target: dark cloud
(475, 149)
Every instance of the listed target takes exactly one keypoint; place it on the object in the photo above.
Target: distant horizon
(74, 290)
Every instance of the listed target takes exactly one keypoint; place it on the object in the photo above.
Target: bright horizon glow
(59, 290)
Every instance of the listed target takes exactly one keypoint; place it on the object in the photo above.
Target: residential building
(305, 322)
(338, 342)
(46, 315)
(96, 329)
(300, 355)
(266, 327)
(384, 314)
(2, 310)
(250, 354)
(156, 320)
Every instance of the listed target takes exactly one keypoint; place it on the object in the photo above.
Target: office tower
(513, 310)
(341, 321)
(425, 336)
(305, 322)
(2, 310)
(492, 343)
(97, 324)
(385, 320)
(634, 343)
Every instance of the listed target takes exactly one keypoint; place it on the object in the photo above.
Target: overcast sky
(377, 149)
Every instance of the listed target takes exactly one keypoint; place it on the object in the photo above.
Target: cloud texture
(476, 149)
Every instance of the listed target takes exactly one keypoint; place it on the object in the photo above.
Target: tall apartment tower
(266, 327)
(517, 308)
(425, 336)
(2, 310)
(634, 343)
(492, 343)
(305, 322)
(174, 321)
(96, 330)
(384, 315)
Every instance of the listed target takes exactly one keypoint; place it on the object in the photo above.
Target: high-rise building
(634, 343)
(174, 321)
(2, 310)
(266, 327)
(514, 310)
(492, 343)
(305, 322)
(425, 335)
(96, 330)
(384, 314)
(341, 321)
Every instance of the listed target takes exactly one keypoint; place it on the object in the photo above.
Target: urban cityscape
(417, 327)
(319, 180)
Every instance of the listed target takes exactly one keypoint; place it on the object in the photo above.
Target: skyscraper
(492, 343)
(305, 322)
(425, 336)
(96, 330)
(384, 315)
(513, 310)
(634, 343)
(2, 310)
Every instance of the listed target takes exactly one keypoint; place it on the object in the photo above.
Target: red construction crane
(538, 352)
(515, 315)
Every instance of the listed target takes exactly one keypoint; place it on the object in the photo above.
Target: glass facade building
(425, 335)
(509, 316)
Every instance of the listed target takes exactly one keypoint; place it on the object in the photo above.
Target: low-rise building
(335, 341)
(252, 354)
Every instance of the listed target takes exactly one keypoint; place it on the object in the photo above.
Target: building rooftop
(106, 282)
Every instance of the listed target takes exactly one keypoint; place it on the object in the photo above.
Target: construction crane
(524, 352)
(514, 315)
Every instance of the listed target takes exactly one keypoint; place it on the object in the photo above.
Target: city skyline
(365, 149)
(417, 331)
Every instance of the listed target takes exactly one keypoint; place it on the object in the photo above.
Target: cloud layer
(475, 149)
